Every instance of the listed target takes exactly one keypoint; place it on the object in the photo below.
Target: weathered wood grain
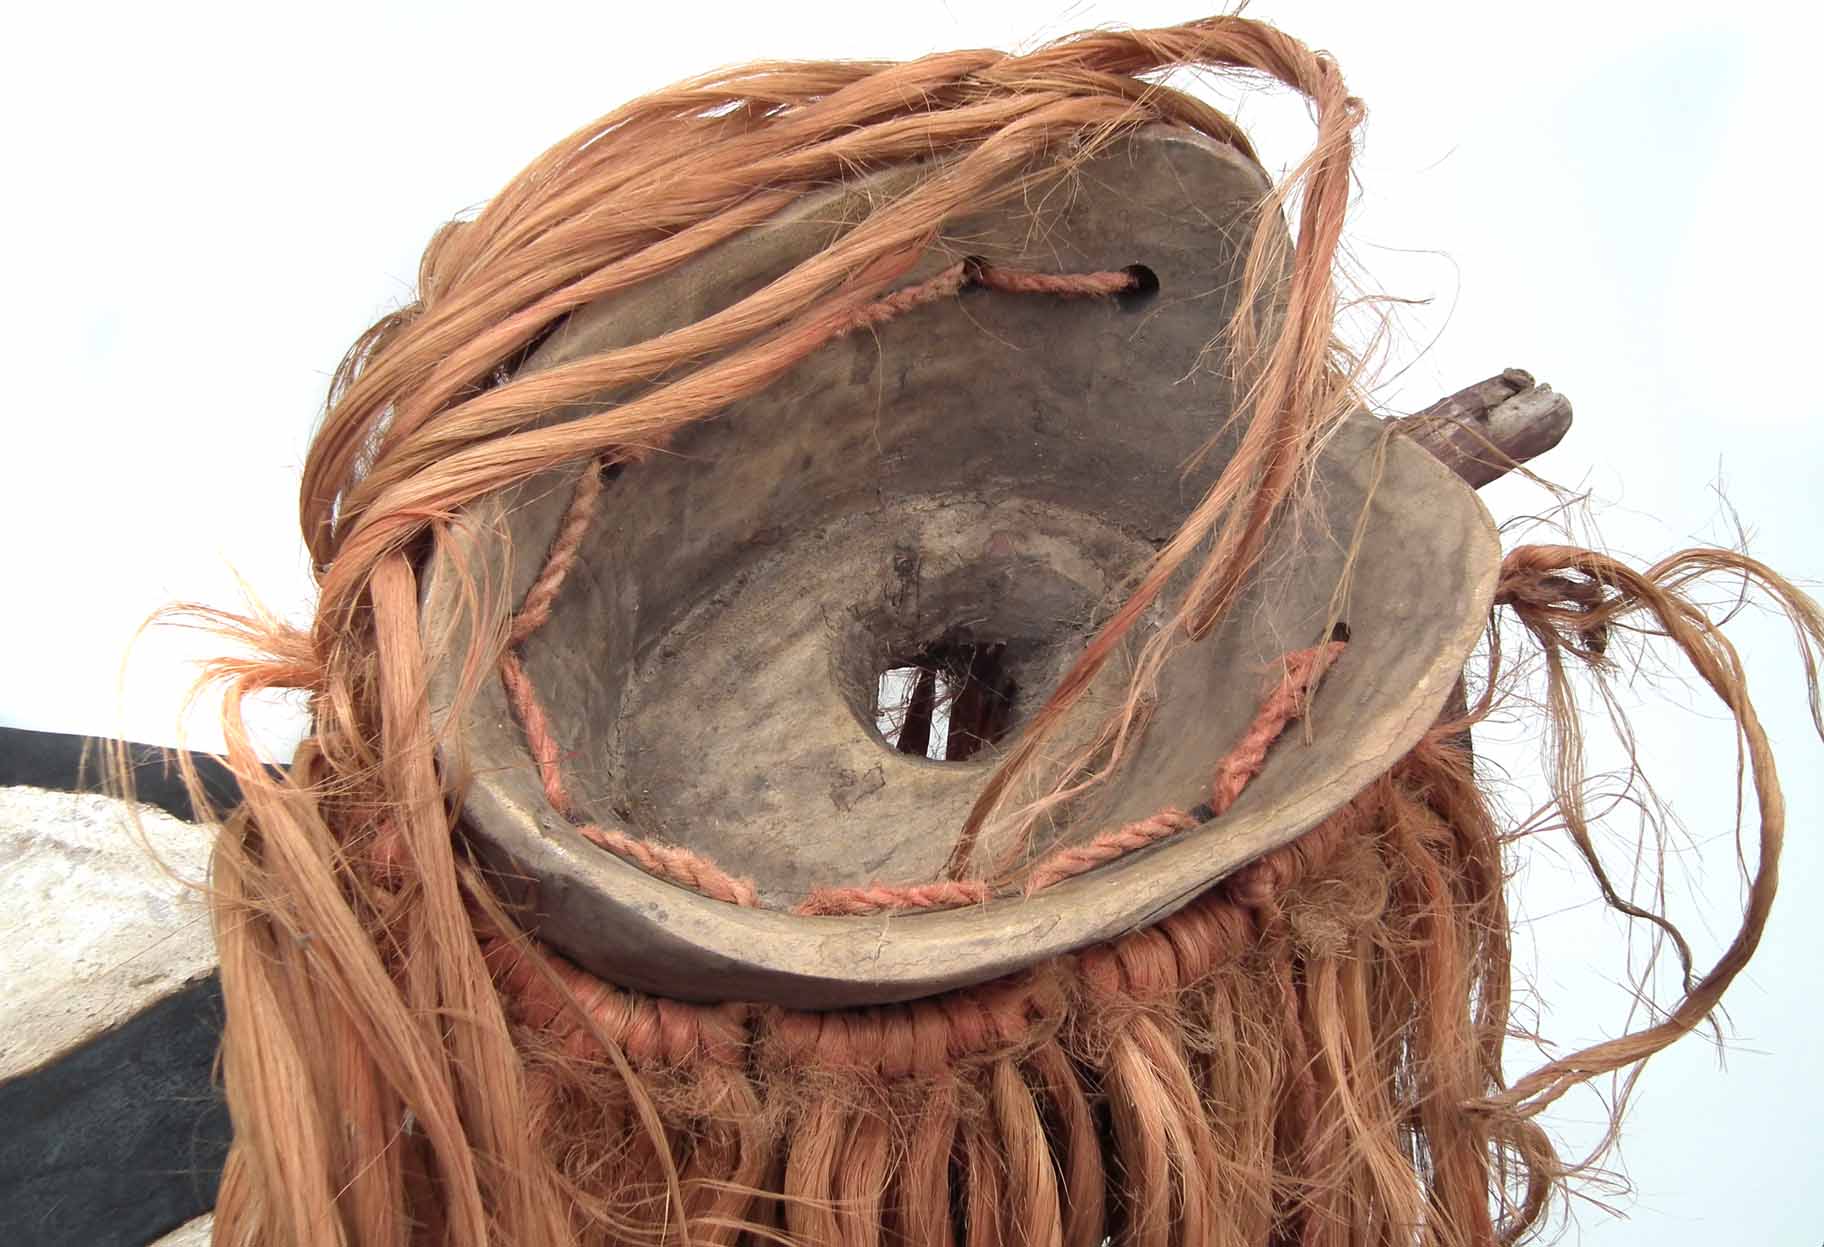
(1484, 431)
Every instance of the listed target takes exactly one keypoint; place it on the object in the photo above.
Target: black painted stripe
(121, 1139)
(66, 763)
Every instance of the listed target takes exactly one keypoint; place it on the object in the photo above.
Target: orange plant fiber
(1310, 1053)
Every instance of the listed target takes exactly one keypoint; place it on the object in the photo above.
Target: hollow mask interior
(983, 473)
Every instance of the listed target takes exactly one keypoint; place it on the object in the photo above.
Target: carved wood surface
(160, 1080)
(1483, 431)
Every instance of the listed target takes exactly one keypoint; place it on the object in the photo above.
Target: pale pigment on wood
(92, 931)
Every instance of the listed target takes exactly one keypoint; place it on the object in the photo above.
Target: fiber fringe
(1259, 1067)
(1310, 1053)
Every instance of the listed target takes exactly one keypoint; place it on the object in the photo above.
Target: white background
(205, 205)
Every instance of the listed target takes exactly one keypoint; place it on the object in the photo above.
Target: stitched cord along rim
(1122, 426)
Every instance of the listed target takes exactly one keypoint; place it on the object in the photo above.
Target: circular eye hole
(1145, 287)
(946, 701)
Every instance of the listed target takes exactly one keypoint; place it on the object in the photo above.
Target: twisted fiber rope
(873, 898)
(1068, 285)
(1073, 860)
(974, 273)
(924, 1038)
(540, 739)
(669, 862)
(673, 863)
(951, 281)
(535, 608)
(1300, 671)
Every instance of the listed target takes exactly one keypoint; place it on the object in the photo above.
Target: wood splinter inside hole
(947, 701)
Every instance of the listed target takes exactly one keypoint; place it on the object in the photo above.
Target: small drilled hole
(1142, 292)
(946, 701)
